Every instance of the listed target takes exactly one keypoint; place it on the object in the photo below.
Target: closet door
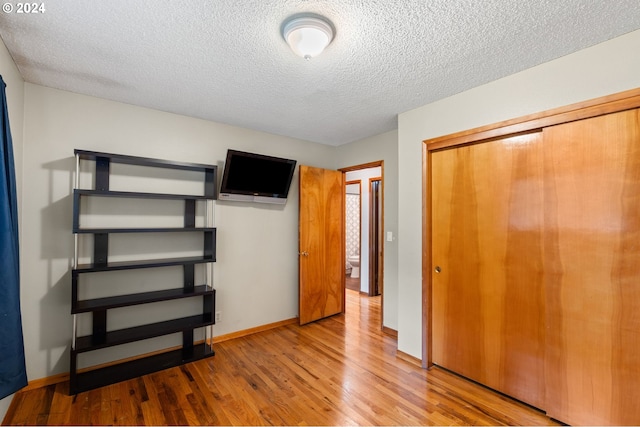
(592, 269)
(487, 272)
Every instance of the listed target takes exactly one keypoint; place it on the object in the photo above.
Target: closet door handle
(437, 269)
(304, 253)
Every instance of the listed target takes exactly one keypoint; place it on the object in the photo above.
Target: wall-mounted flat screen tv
(251, 177)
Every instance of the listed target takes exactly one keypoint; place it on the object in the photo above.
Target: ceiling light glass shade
(307, 36)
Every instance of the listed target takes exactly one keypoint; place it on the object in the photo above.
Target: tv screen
(262, 178)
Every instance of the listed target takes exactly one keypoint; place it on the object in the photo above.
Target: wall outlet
(218, 316)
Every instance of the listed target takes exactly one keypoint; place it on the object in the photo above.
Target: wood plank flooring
(353, 284)
(337, 371)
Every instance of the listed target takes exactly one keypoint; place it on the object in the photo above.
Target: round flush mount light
(307, 35)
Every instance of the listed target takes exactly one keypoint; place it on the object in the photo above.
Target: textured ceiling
(225, 60)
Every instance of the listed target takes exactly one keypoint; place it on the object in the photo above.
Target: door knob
(437, 269)
(304, 253)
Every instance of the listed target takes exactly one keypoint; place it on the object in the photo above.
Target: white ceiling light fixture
(307, 35)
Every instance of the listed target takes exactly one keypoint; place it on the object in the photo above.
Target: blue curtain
(13, 373)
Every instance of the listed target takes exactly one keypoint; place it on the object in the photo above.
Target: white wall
(381, 147)
(15, 104)
(607, 68)
(256, 273)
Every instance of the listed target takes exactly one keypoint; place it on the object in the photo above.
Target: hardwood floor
(353, 284)
(337, 371)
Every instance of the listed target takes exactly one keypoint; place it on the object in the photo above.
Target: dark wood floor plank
(337, 371)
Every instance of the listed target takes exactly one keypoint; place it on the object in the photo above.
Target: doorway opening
(353, 219)
(364, 225)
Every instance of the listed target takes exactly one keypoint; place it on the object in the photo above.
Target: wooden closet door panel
(592, 269)
(487, 300)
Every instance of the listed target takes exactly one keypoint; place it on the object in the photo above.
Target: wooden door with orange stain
(592, 270)
(486, 273)
(321, 244)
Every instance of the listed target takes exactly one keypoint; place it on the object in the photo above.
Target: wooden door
(321, 238)
(592, 270)
(488, 296)
(376, 246)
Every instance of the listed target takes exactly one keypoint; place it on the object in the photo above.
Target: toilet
(354, 260)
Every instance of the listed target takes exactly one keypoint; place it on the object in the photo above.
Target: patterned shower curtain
(13, 374)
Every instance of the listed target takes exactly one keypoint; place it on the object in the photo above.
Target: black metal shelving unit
(100, 336)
